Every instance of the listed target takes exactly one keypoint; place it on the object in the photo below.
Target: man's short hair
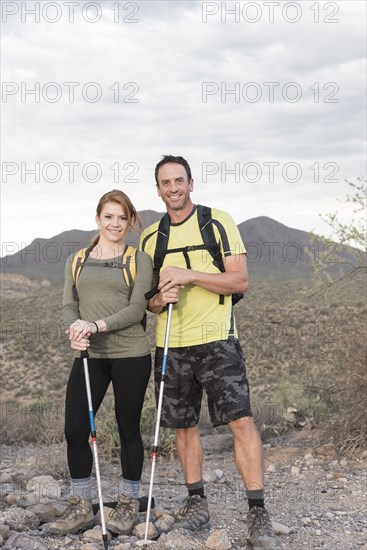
(175, 160)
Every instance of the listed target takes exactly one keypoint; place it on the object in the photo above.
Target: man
(204, 352)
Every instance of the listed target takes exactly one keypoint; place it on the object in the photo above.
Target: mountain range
(274, 251)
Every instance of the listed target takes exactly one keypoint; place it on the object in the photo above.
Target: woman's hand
(80, 345)
(81, 329)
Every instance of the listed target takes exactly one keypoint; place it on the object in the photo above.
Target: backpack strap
(77, 265)
(207, 232)
(206, 223)
(161, 244)
(129, 265)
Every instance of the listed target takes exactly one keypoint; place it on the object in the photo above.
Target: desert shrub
(43, 423)
(39, 422)
(344, 405)
(344, 394)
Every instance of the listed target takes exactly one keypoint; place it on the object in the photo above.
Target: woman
(103, 314)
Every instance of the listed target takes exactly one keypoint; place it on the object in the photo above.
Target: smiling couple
(104, 316)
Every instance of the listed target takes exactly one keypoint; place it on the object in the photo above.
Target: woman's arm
(70, 307)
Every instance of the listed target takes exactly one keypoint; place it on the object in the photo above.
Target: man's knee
(187, 434)
(244, 426)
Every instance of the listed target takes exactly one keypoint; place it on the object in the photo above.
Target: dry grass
(301, 352)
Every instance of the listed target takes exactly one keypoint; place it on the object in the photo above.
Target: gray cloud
(163, 62)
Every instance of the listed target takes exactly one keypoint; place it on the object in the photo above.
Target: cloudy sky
(265, 100)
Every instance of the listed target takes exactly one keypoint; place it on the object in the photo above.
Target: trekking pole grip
(84, 354)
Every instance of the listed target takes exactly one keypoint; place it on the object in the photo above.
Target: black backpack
(209, 243)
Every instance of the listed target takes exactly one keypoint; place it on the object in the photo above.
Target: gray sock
(130, 488)
(255, 494)
(82, 488)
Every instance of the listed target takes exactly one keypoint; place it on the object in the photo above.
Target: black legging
(129, 378)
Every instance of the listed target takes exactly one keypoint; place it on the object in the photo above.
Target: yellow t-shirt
(198, 317)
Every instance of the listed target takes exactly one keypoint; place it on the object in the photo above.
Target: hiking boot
(194, 514)
(77, 516)
(124, 516)
(260, 529)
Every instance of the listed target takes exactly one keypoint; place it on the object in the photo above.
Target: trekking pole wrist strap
(151, 293)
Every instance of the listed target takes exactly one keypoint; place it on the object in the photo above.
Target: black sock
(252, 502)
(196, 488)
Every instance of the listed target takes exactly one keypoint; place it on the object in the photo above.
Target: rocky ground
(316, 498)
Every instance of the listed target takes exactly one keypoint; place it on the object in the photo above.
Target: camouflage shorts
(218, 368)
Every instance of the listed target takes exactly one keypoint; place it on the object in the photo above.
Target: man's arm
(234, 279)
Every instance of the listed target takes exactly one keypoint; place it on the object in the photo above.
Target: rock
(182, 539)
(339, 475)
(45, 488)
(13, 498)
(218, 540)
(294, 470)
(89, 546)
(143, 517)
(318, 532)
(219, 473)
(306, 521)
(19, 519)
(4, 530)
(48, 512)
(171, 474)
(140, 544)
(139, 531)
(308, 456)
(180, 498)
(94, 535)
(24, 542)
(280, 529)
(209, 477)
(164, 523)
(6, 477)
(329, 516)
(271, 468)
(8, 488)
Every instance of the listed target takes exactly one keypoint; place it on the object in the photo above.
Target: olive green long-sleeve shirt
(103, 294)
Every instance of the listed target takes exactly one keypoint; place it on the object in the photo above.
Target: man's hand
(163, 298)
(174, 277)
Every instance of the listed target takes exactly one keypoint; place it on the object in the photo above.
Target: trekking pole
(158, 421)
(84, 355)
